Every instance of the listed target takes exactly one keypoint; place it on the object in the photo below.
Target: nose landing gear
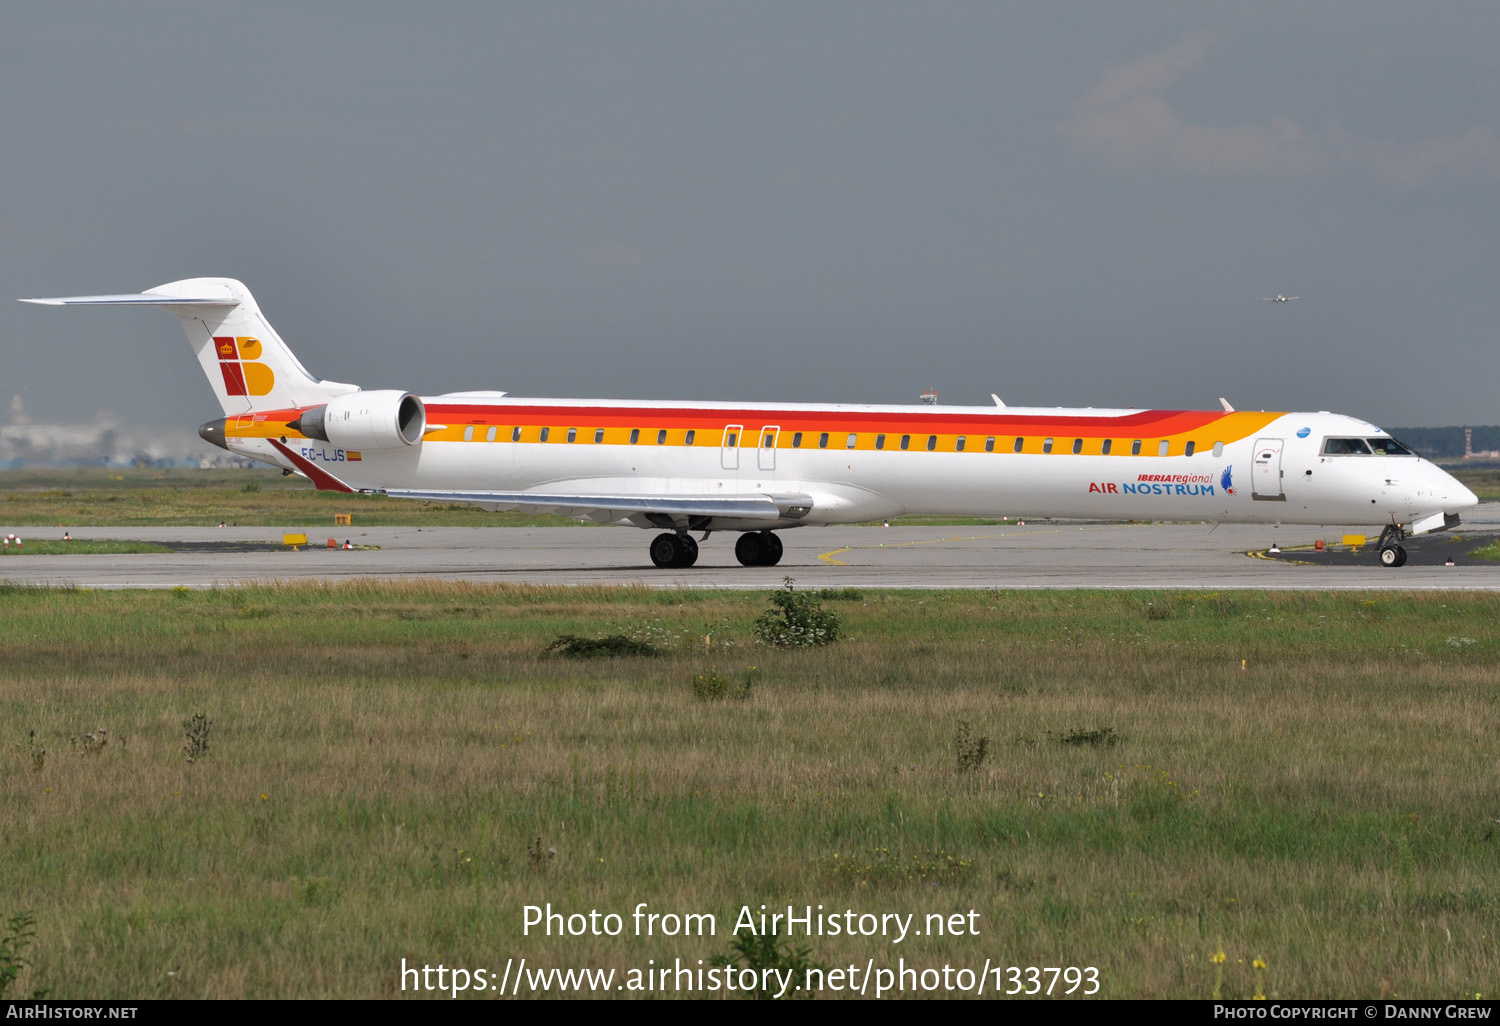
(1391, 552)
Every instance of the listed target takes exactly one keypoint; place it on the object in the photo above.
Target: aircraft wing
(615, 507)
(602, 508)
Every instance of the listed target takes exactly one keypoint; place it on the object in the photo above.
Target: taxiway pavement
(1042, 554)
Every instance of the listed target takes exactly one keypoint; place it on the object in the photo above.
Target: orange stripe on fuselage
(1204, 426)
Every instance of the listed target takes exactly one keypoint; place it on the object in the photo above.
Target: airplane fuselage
(858, 462)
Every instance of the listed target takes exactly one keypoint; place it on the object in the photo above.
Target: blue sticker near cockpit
(1303, 432)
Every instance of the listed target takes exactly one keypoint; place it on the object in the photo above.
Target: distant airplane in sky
(752, 469)
(1279, 298)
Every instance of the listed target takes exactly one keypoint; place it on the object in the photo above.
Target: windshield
(1345, 447)
(1389, 447)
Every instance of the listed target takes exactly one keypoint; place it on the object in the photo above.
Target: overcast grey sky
(1067, 204)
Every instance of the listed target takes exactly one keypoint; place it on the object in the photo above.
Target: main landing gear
(758, 548)
(674, 551)
(1391, 552)
(678, 551)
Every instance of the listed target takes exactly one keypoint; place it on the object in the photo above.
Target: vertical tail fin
(247, 364)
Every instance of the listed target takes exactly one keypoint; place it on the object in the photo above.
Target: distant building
(24, 443)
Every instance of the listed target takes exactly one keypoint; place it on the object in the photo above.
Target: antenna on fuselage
(998, 401)
(1225, 403)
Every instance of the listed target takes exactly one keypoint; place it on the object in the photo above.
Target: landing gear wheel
(758, 548)
(673, 551)
(666, 550)
(1393, 555)
(748, 549)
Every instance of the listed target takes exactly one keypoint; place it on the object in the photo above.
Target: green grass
(383, 757)
(91, 496)
(57, 547)
(1490, 551)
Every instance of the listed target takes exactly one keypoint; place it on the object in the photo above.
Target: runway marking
(828, 557)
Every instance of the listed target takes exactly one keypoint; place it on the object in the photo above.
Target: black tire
(1392, 555)
(689, 551)
(770, 549)
(1400, 556)
(665, 551)
(748, 549)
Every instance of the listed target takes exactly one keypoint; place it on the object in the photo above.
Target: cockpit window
(1389, 447)
(1345, 447)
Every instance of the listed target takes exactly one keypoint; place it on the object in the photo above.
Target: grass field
(88, 496)
(1308, 780)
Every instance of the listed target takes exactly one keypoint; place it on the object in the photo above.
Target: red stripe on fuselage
(1153, 423)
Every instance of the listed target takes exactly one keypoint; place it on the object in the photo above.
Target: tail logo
(1226, 480)
(239, 357)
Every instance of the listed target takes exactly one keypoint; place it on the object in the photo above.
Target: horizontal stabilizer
(135, 299)
(746, 507)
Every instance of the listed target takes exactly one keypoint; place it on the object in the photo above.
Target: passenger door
(1265, 475)
(766, 450)
(729, 453)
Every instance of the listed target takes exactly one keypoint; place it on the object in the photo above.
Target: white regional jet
(758, 468)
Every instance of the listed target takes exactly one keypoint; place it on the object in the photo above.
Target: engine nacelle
(382, 419)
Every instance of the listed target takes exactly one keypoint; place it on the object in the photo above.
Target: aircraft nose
(1455, 494)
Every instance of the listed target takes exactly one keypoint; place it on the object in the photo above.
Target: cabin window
(545, 433)
(906, 441)
(769, 441)
(958, 444)
(572, 434)
(797, 440)
(852, 441)
(1046, 445)
(635, 436)
(1218, 448)
(931, 442)
(1345, 447)
(1077, 446)
(1020, 444)
(599, 437)
(989, 444)
(689, 437)
(731, 440)
(880, 441)
(1163, 447)
(515, 434)
(1104, 449)
(489, 436)
(823, 440)
(661, 437)
(1187, 450)
(469, 433)
(1135, 447)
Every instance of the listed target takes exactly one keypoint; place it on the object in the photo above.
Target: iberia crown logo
(243, 375)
